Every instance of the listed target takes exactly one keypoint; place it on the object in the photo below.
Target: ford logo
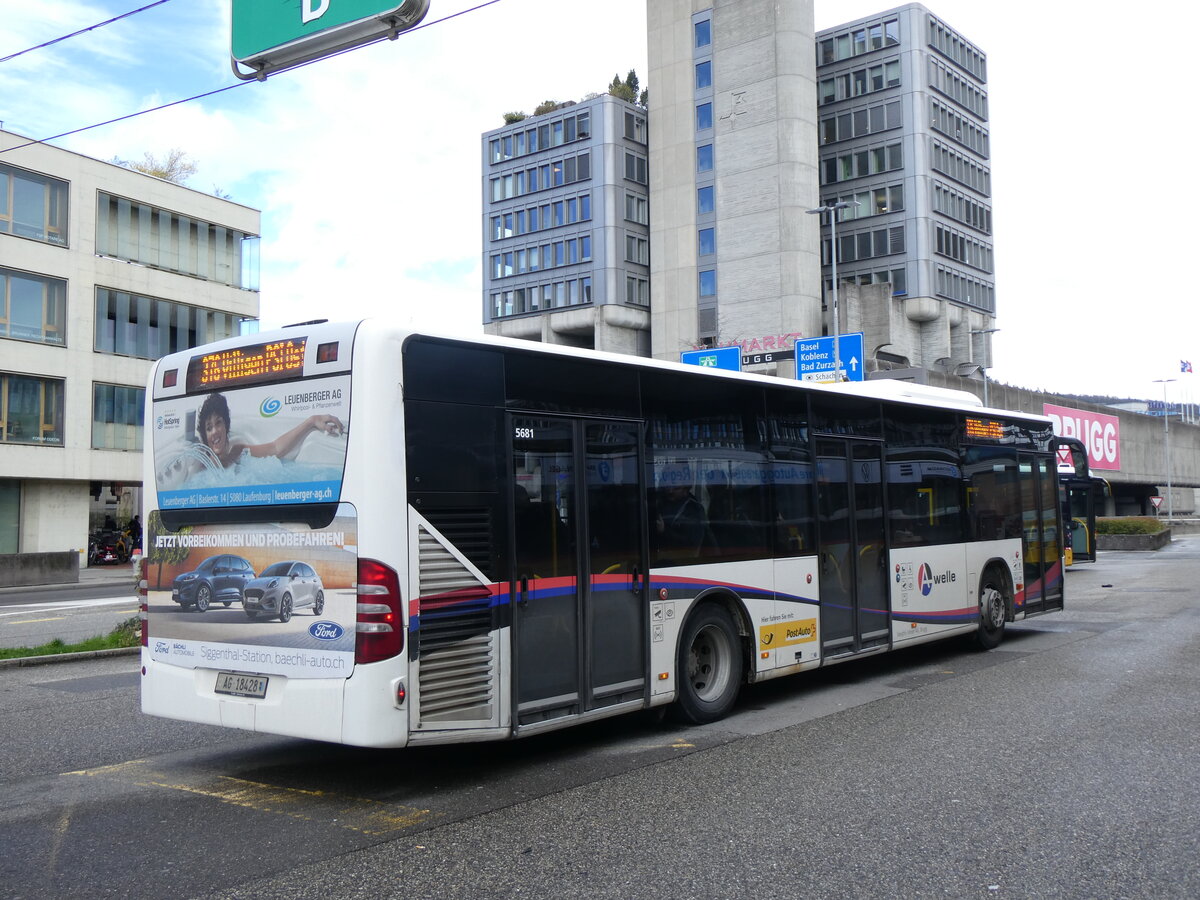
(326, 631)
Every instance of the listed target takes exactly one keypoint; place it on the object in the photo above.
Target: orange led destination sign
(984, 428)
(254, 364)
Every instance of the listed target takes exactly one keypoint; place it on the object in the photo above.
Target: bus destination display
(986, 429)
(255, 364)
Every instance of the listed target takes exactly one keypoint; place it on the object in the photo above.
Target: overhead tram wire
(230, 87)
(4, 59)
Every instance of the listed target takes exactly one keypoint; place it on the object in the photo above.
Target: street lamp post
(1167, 444)
(983, 368)
(832, 209)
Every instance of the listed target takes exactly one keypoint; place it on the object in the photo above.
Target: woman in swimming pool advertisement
(287, 447)
(213, 425)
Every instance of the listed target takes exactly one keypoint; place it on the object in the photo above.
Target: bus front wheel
(709, 666)
(993, 610)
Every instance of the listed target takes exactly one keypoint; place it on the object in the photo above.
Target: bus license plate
(236, 685)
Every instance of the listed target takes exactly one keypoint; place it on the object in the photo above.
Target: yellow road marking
(359, 814)
(34, 621)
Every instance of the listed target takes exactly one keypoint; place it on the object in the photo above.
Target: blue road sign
(714, 358)
(815, 358)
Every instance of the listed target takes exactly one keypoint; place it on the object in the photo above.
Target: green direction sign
(275, 34)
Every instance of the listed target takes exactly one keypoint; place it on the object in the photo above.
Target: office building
(565, 227)
(904, 141)
(102, 270)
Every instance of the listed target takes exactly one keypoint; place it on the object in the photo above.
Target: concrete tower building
(733, 167)
(750, 129)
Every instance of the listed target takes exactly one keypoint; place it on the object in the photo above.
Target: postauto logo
(926, 579)
(269, 407)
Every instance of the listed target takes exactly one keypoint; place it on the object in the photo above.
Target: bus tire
(285, 608)
(993, 609)
(203, 598)
(709, 666)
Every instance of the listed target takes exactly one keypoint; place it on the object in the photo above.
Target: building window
(32, 308)
(637, 209)
(162, 239)
(708, 282)
(635, 127)
(707, 241)
(33, 206)
(704, 158)
(635, 168)
(703, 75)
(637, 250)
(132, 325)
(703, 32)
(704, 118)
(637, 290)
(31, 410)
(705, 202)
(118, 414)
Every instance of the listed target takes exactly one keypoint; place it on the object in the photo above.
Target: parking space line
(360, 814)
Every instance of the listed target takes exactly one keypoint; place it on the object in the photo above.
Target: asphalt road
(1063, 764)
(102, 599)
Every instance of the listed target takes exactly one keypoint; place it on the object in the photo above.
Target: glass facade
(31, 410)
(33, 206)
(32, 307)
(118, 413)
(162, 239)
(131, 325)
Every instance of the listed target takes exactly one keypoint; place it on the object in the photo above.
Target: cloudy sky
(367, 167)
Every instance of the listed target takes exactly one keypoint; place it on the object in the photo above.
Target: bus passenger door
(852, 548)
(579, 573)
(1042, 530)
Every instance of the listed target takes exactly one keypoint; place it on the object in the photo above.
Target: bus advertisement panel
(267, 598)
(253, 446)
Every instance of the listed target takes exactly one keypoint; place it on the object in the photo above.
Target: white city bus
(362, 535)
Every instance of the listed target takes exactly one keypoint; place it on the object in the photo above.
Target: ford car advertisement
(264, 598)
(253, 446)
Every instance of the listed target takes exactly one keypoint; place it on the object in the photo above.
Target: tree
(628, 90)
(174, 167)
(512, 117)
(545, 106)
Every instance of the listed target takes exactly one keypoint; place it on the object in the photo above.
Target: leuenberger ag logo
(926, 579)
(269, 407)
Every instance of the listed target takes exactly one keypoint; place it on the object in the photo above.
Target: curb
(21, 661)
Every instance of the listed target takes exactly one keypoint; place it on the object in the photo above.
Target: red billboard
(1100, 433)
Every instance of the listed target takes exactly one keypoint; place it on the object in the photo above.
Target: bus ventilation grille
(469, 530)
(457, 658)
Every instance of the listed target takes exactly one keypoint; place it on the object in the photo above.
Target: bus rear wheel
(993, 610)
(709, 666)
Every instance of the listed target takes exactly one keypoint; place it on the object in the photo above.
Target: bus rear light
(380, 622)
(143, 599)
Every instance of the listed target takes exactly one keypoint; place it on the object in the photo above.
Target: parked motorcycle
(107, 548)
